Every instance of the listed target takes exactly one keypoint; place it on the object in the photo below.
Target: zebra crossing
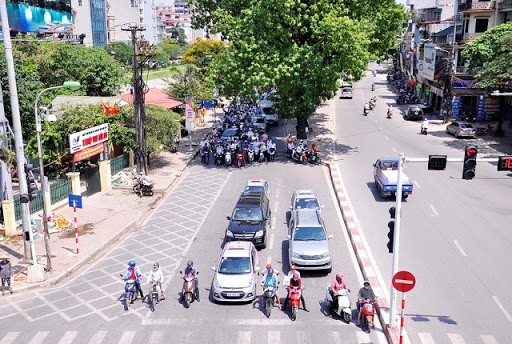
(256, 336)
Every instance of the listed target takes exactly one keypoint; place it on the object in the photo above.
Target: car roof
(237, 249)
(308, 218)
(304, 193)
(256, 182)
(252, 197)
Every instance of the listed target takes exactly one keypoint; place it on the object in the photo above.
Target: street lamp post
(73, 85)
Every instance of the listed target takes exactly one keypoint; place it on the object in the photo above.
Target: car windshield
(464, 125)
(248, 214)
(254, 188)
(390, 165)
(306, 203)
(347, 90)
(235, 265)
(309, 234)
(259, 120)
(268, 111)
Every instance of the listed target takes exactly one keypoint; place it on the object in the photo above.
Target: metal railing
(471, 36)
(118, 163)
(35, 205)
(59, 190)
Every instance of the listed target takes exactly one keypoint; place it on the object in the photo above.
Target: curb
(361, 251)
(119, 236)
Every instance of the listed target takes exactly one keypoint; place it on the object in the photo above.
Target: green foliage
(298, 46)
(121, 52)
(161, 125)
(202, 51)
(493, 51)
(190, 82)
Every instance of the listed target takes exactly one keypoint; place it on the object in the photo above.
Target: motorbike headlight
(216, 284)
(259, 234)
(295, 255)
(229, 233)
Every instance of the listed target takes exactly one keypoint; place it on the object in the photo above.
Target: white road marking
(387, 138)
(127, 337)
(271, 242)
(363, 338)
(39, 337)
(274, 219)
(275, 208)
(456, 338)
(394, 150)
(461, 250)
(277, 194)
(156, 337)
(98, 337)
(302, 337)
(500, 305)
(417, 185)
(380, 128)
(426, 338)
(488, 339)
(9, 338)
(434, 210)
(274, 337)
(68, 337)
(244, 337)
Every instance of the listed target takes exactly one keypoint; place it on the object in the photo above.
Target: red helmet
(269, 266)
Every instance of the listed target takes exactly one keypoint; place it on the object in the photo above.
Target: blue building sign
(456, 107)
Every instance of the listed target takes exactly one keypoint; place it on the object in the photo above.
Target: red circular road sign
(404, 281)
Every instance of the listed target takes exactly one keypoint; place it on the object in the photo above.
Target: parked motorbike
(314, 157)
(154, 298)
(205, 156)
(424, 131)
(368, 313)
(271, 153)
(143, 186)
(269, 296)
(295, 293)
(340, 305)
(188, 291)
(130, 292)
(485, 130)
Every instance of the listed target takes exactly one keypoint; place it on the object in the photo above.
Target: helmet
(131, 263)
(339, 277)
(190, 263)
(156, 265)
(295, 276)
(270, 271)
(366, 283)
(269, 266)
(293, 267)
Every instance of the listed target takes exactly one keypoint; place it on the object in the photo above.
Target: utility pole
(35, 272)
(142, 52)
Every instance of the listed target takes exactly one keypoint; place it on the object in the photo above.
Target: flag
(110, 110)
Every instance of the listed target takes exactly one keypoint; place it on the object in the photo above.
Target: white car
(236, 274)
(257, 185)
(346, 92)
(304, 199)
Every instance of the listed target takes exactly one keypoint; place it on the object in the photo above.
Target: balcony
(505, 5)
(468, 37)
(475, 6)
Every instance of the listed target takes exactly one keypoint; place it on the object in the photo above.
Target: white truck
(385, 174)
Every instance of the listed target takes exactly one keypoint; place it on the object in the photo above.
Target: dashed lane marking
(456, 338)
(461, 250)
(426, 338)
(68, 337)
(417, 185)
(434, 211)
(500, 305)
(39, 337)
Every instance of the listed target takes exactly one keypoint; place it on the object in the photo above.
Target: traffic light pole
(396, 238)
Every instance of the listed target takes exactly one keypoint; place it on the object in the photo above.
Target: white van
(346, 92)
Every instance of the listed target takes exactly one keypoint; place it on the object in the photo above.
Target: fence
(59, 190)
(118, 163)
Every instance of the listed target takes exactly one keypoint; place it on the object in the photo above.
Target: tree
(202, 51)
(121, 52)
(298, 46)
(190, 83)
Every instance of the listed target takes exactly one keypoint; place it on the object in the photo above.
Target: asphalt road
(455, 234)
(190, 224)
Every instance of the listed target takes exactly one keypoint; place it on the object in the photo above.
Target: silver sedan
(461, 129)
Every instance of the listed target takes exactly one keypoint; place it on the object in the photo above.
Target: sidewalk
(105, 219)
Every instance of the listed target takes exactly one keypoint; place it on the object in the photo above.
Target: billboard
(88, 138)
(428, 64)
(47, 16)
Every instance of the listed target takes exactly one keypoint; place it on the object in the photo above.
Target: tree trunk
(499, 130)
(301, 128)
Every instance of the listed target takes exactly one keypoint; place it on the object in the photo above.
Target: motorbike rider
(366, 107)
(157, 276)
(365, 292)
(270, 280)
(336, 285)
(190, 270)
(295, 281)
(390, 111)
(424, 124)
(373, 86)
(133, 273)
(298, 150)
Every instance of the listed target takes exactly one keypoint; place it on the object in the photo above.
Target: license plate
(232, 294)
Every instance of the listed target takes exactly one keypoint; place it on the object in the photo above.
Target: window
(481, 24)
(80, 3)
(466, 23)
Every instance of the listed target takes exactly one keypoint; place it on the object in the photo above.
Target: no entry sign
(404, 281)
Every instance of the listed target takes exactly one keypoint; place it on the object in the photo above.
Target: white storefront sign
(427, 66)
(88, 138)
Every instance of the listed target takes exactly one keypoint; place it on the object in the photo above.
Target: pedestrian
(5, 273)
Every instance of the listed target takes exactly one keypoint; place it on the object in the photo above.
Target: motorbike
(188, 291)
(366, 109)
(424, 131)
(219, 156)
(302, 157)
(154, 297)
(295, 293)
(373, 87)
(239, 160)
(485, 130)
(389, 113)
(227, 158)
(269, 296)
(143, 187)
(130, 292)
(250, 156)
(205, 156)
(313, 157)
(368, 313)
(342, 306)
(272, 153)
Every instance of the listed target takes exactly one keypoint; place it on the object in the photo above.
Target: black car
(250, 219)
(414, 112)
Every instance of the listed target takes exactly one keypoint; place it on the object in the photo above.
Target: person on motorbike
(390, 112)
(336, 285)
(156, 275)
(373, 86)
(424, 124)
(295, 281)
(133, 273)
(190, 270)
(366, 107)
(290, 146)
(298, 150)
(365, 292)
(270, 280)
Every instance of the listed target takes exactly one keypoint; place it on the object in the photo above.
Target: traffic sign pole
(402, 319)
(75, 225)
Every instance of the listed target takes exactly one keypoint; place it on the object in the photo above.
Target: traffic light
(505, 163)
(437, 162)
(391, 226)
(468, 170)
(31, 182)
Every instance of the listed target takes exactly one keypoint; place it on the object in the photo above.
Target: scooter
(269, 298)
(389, 114)
(301, 158)
(130, 292)
(205, 156)
(240, 160)
(313, 158)
(188, 291)
(250, 156)
(154, 298)
(295, 293)
(368, 313)
(373, 87)
(342, 306)
(366, 110)
(271, 153)
(227, 158)
(424, 131)
(143, 188)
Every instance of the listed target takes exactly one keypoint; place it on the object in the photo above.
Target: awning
(447, 31)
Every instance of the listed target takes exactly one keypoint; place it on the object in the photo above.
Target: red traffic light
(471, 151)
